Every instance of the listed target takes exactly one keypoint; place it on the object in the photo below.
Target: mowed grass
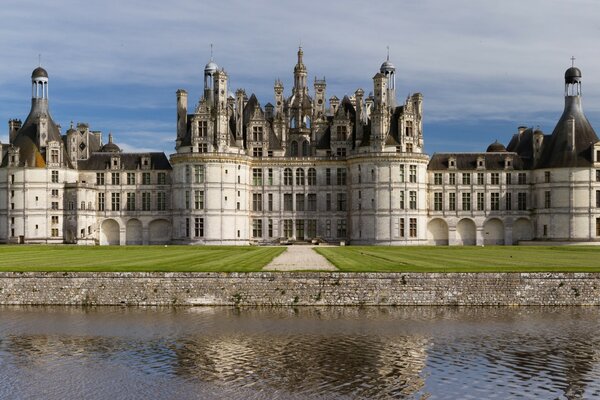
(464, 259)
(136, 258)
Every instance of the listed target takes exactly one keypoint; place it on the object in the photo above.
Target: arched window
(293, 122)
(307, 121)
(312, 177)
(287, 177)
(305, 149)
(299, 176)
(294, 149)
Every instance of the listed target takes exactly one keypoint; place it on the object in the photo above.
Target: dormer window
(452, 163)
(508, 163)
(114, 162)
(480, 162)
(145, 162)
(203, 129)
(341, 133)
(257, 133)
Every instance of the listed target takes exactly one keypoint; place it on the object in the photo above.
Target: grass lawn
(464, 259)
(136, 258)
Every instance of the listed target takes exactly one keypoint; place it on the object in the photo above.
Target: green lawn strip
(136, 258)
(464, 259)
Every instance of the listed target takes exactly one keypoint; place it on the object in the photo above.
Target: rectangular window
(341, 201)
(199, 227)
(437, 178)
(54, 232)
(287, 202)
(480, 201)
(270, 201)
(480, 178)
(161, 201)
(55, 204)
(257, 152)
(115, 178)
(312, 202)
(256, 201)
(288, 228)
(341, 228)
(412, 173)
(161, 178)
(287, 177)
(198, 173)
(270, 228)
(341, 176)
(146, 201)
(466, 179)
(547, 176)
(495, 178)
(188, 174)
(199, 199)
(257, 228)
(100, 202)
(299, 177)
(547, 199)
(495, 201)
(311, 228)
(130, 201)
(400, 177)
(522, 201)
(437, 201)
(508, 178)
(145, 178)
(312, 177)
(270, 176)
(328, 176)
(341, 134)
(466, 201)
(598, 175)
(402, 200)
(508, 201)
(99, 178)
(522, 178)
(597, 198)
(413, 227)
(203, 128)
(257, 176)
(54, 193)
(328, 202)
(340, 152)
(54, 219)
(401, 228)
(597, 227)
(452, 178)
(115, 201)
(131, 178)
(327, 228)
(412, 200)
(257, 133)
(299, 229)
(187, 227)
(54, 176)
(452, 201)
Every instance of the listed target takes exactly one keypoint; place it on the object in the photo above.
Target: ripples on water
(305, 353)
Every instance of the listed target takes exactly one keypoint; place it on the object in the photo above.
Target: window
(115, 178)
(270, 176)
(54, 193)
(341, 176)
(547, 199)
(400, 177)
(299, 229)
(187, 200)
(328, 202)
(287, 202)
(408, 129)
(131, 177)
(257, 152)
(115, 201)
(203, 148)
(161, 178)
(198, 173)
(305, 149)
(437, 201)
(495, 201)
(452, 201)
(508, 201)
(130, 201)
(597, 227)
(199, 199)
(480, 201)
(328, 176)
(294, 149)
(341, 228)
(203, 129)
(412, 200)
(312, 177)
(597, 198)
(340, 152)
(257, 176)
(545, 230)
(312, 202)
(522, 201)
(270, 228)
(341, 133)
(401, 228)
(508, 178)
(146, 201)
(54, 219)
(412, 173)
(199, 227)
(100, 202)
(409, 147)
(327, 228)
(288, 228)
(522, 178)
(256, 201)
(161, 201)
(99, 178)
(341, 201)
(480, 178)
(257, 228)
(547, 176)
(452, 178)
(402, 205)
(287, 176)
(270, 201)
(466, 179)
(54, 232)
(466, 201)
(257, 133)
(413, 227)
(188, 174)
(437, 178)
(299, 177)
(358, 175)
(55, 204)
(145, 178)
(311, 228)
(495, 178)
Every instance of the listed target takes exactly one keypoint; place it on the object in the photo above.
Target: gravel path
(298, 258)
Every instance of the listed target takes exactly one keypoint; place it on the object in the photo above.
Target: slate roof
(468, 161)
(129, 161)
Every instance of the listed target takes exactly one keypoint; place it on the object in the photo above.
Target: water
(304, 353)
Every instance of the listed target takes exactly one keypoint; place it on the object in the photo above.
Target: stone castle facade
(305, 168)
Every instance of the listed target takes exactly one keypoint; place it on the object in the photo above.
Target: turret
(278, 88)
(220, 105)
(181, 115)
(319, 105)
(300, 73)
(389, 71)
(13, 126)
(209, 80)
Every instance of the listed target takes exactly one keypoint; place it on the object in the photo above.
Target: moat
(300, 353)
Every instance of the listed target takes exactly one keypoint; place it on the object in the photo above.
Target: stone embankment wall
(299, 289)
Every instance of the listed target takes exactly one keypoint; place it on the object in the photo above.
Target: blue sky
(484, 67)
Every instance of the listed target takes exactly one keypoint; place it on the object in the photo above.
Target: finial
(211, 52)
(572, 61)
(109, 137)
(71, 124)
(388, 53)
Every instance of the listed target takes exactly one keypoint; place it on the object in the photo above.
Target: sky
(484, 67)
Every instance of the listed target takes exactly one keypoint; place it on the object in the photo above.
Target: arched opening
(522, 230)
(133, 232)
(110, 232)
(493, 232)
(293, 123)
(307, 121)
(159, 232)
(294, 149)
(466, 232)
(305, 149)
(437, 232)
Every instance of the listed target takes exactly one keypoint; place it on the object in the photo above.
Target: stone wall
(298, 289)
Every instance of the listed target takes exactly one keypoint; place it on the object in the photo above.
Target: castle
(304, 168)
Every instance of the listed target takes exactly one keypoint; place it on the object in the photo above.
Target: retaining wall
(298, 289)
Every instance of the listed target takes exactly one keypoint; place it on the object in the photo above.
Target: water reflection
(420, 352)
